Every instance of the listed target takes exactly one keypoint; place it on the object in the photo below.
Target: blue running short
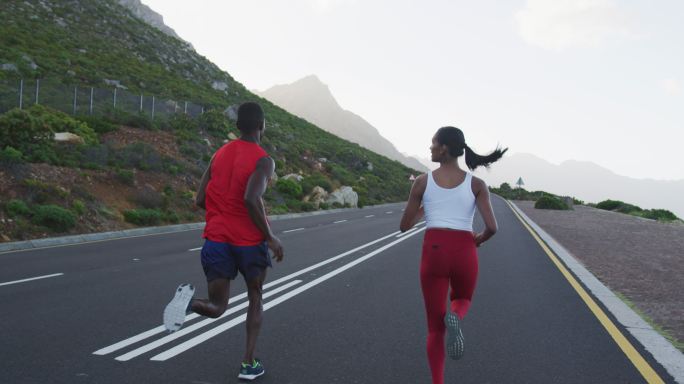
(223, 260)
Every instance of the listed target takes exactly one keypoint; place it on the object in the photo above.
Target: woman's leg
(463, 278)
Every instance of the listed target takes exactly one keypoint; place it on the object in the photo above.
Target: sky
(588, 80)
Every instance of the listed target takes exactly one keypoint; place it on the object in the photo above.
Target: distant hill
(311, 99)
(586, 181)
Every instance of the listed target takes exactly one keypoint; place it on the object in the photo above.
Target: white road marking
(160, 329)
(293, 230)
(226, 326)
(369, 216)
(31, 279)
(184, 331)
(339, 221)
(194, 249)
(407, 232)
(388, 212)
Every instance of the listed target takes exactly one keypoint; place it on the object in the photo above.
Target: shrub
(143, 216)
(78, 207)
(10, 155)
(289, 187)
(609, 205)
(99, 124)
(24, 132)
(16, 207)
(125, 176)
(54, 217)
(316, 179)
(549, 202)
(659, 214)
(171, 217)
(61, 122)
(215, 122)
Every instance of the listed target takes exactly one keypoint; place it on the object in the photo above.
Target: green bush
(171, 217)
(10, 155)
(125, 176)
(215, 122)
(289, 187)
(17, 207)
(99, 124)
(549, 202)
(61, 122)
(659, 214)
(54, 217)
(609, 205)
(78, 207)
(316, 179)
(24, 132)
(143, 216)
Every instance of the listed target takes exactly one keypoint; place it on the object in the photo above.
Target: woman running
(447, 197)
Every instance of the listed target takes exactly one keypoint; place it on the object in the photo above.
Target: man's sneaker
(251, 371)
(454, 336)
(174, 313)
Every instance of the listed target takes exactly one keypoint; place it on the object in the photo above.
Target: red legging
(449, 258)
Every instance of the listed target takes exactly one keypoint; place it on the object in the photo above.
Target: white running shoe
(174, 313)
(455, 341)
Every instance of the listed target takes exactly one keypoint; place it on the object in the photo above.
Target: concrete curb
(137, 232)
(661, 349)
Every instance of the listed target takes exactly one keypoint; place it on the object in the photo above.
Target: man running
(237, 234)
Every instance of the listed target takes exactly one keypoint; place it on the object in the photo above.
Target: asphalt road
(343, 307)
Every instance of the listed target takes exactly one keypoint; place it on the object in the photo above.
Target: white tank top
(451, 208)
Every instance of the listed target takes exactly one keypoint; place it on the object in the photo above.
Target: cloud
(561, 24)
(671, 86)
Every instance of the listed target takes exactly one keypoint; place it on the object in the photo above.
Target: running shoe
(174, 313)
(455, 347)
(251, 371)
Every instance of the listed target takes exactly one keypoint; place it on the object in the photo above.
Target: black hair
(453, 138)
(250, 117)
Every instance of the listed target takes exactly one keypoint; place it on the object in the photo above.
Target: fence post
(21, 94)
(202, 113)
(91, 100)
(37, 89)
(114, 97)
(152, 108)
(185, 109)
(141, 101)
(175, 107)
(75, 97)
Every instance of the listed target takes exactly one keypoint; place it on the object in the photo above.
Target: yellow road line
(632, 354)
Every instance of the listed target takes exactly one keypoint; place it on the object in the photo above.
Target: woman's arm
(414, 211)
(484, 205)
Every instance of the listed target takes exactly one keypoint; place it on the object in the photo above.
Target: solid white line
(388, 212)
(169, 338)
(369, 216)
(160, 329)
(407, 232)
(194, 249)
(293, 230)
(31, 279)
(339, 221)
(226, 326)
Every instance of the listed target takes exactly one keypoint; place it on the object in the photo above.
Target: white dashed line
(31, 279)
(369, 216)
(339, 221)
(388, 212)
(293, 230)
(194, 249)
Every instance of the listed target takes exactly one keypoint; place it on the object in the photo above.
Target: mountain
(311, 99)
(151, 17)
(133, 164)
(586, 181)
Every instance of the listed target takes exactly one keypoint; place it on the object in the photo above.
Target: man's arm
(414, 211)
(201, 192)
(256, 186)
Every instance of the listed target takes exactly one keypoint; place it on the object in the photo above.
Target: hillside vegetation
(129, 169)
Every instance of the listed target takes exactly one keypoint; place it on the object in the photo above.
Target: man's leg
(217, 303)
(254, 290)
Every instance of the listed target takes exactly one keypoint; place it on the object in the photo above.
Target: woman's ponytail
(473, 160)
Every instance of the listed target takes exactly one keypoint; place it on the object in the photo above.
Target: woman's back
(449, 201)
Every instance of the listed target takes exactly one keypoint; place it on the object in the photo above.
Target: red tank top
(227, 217)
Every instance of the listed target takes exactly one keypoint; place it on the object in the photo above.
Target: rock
(231, 112)
(345, 196)
(370, 166)
(114, 83)
(568, 201)
(68, 137)
(71, 73)
(30, 62)
(317, 196)
(4, 238)
(232, 136)
(294, 176)
(84, 51)
(220, 86)
(322, 160)
(9, 67)
(208, 142)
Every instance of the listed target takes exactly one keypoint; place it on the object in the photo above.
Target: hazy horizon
(590, 80)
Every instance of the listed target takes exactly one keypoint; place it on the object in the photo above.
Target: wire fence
(85, 100)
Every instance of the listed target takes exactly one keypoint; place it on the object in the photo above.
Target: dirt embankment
(638, 258)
